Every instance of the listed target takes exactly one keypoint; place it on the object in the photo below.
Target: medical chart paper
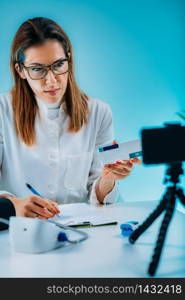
(82, 214)
(124, 151)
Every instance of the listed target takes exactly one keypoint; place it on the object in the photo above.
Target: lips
(49, 91)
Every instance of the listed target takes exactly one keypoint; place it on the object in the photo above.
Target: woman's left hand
(112, 172)
(119, 169)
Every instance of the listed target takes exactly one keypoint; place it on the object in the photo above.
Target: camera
(163, 145)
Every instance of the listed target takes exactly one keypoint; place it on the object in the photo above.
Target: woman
(50, 131)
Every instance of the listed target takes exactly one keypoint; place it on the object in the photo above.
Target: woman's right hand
(35, 207)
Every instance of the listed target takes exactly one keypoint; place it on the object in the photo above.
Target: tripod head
(174, 170)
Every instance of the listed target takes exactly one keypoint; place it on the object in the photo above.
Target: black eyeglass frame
(46, 67)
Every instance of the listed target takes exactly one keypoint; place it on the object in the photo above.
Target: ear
(20, 71)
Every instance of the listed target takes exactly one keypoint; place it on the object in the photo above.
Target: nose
(50, 77)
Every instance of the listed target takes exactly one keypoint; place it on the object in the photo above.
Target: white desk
(106, 253)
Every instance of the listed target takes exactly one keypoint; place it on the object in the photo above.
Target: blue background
(129, 53)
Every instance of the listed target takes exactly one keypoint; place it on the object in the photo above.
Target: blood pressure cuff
(7, 210)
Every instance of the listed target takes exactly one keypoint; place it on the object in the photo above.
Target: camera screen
(163, 145)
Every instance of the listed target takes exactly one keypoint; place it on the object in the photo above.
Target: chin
(54, 98)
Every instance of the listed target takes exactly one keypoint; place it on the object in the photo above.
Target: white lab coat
(62, 166)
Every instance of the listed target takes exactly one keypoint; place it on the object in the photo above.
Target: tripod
(167, 204)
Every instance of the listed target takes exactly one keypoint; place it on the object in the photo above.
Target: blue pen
(33, 190)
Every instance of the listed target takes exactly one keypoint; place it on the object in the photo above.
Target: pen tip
(28, 185)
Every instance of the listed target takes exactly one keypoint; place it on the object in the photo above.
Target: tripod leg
(162, 233)
(136, 234)
(181, 196)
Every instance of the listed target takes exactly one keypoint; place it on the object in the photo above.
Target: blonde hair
(33, 32)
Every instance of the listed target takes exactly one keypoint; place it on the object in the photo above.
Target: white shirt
(62, 166)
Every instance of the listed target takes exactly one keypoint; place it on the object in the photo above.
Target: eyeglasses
(39, 72)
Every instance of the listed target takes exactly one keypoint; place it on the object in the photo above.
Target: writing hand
(34, 206)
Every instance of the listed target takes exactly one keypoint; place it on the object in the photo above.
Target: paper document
(82, 214)
(122, 151)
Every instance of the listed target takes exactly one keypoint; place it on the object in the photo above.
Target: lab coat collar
(43, 107)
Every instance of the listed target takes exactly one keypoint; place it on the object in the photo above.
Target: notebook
(82, 214)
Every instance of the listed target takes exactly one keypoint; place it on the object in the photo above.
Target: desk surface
(106, 253)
